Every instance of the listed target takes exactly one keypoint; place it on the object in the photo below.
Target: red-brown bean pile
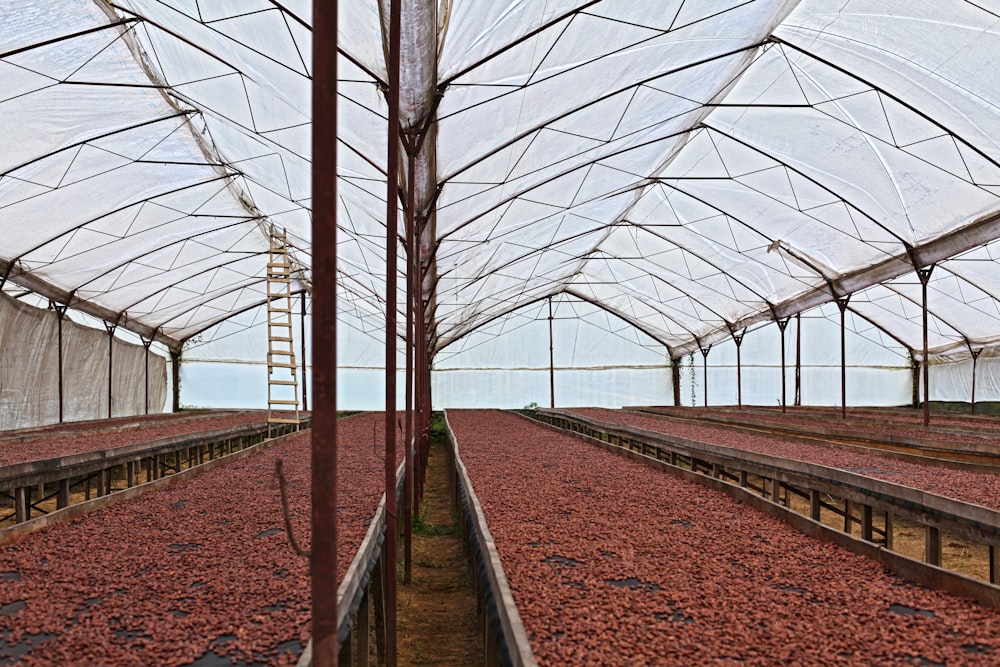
(131, 421)
(614, 563)
(40, 448)
(199, 568)
(971, 487)
(904, 415)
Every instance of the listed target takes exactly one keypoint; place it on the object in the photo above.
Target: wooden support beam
(932, 550)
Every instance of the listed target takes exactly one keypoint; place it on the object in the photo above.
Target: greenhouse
(670, 331)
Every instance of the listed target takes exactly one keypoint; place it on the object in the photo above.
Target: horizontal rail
(503, 622)
(735, 467)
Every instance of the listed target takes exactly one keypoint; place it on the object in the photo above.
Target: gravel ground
(613, 563)
(93, 439)
(199, 570)
(971, 487)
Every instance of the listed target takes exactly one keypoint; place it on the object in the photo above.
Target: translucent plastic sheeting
(692, 167)
(112, 195)
(953, 381)
(879, 371)
(29, 371)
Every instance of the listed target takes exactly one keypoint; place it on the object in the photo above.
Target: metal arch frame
(528, 132)
(98, 137)
(125, 310)
(228, 315)
(798, 172)
(49, 291)
(681, 276)
(125, 207)
(631, 295)
(832, 284)
(568, 291)
(895, 98)
(975, 234)
(135, 258)
(965, 339)
(642, 181)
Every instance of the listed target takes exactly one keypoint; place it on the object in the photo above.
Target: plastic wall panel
(953, 381)
(29, 375)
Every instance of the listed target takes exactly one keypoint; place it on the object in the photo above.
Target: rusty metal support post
(552, 368)
(675, 380)
(323, 443)
(111, 347)
(925, 275)
(175, 374)
(842, 304)
(782, 325)
(738, 339)
(391, 337)
(704, 371)
(972, 400)
(305, 373)
(411, 289)
(60, 314)
(419, 332)
(798, 359)
(146, 344)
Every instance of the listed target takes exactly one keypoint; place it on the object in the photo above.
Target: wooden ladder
(282, 382)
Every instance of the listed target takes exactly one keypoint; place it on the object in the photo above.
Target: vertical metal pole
(411, 245)
(391, 251)
(782, 324)
(175, 374)
(975, 358)
(675, 380)
(925, 275)
(323, 564)
(111, 346)
(552, 370)
(305, 373)
(798, 359)
(738, 339)
(60, 313)
(146, 344)
(842, 304)
(419, 340)
(704, 371)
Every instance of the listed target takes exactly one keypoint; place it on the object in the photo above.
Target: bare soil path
(437, 610)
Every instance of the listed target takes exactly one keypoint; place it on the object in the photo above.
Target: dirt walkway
(437, 611)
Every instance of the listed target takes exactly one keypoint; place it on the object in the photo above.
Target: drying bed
(896, 414)
(131, 421)
(198, 570)
(982, 435)
(38, 448)
(612, 562)
(971, 487)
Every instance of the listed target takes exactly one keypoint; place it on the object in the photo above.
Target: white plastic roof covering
(694, 167)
